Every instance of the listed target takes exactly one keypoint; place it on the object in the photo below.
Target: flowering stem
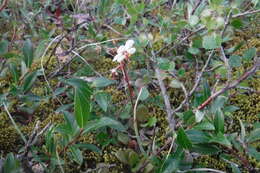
(126, 78)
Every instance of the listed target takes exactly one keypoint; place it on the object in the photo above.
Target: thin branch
(181, 41)
(167, 103)
(226, 23)
(201, 74)
(135, 123)
(231, 85)
(42, 67)
(184, 101)
(112, 29)
(14, 124)
(251, 90)
(4, 4)
(214, 68)
(246, 13)
(202, 170)
(102, 42)
(196, 7)
(225, 60)
(86, 62)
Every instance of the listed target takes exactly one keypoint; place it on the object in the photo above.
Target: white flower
(129, 44)
(119, 57)
(125, 51)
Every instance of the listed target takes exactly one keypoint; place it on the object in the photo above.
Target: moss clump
(249, 108)
(10, 141)
(211, 162)
(104, 65)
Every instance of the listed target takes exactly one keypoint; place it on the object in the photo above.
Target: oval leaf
(28, 53)
(183, 140)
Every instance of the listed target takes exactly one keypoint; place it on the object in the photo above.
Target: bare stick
(225, 60)
(135, 123)
(4, 4)
(14, 124)
(201, 74)
(112, 29)
(167, 103)
(246, 13)
(202, 170)
(195, 8)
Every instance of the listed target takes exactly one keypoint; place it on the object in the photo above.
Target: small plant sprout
(123, 54)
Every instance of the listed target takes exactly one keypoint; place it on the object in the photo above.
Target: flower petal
(129, 44)
(131, 51)
(121, 49)
(119, 58)
(116, 57)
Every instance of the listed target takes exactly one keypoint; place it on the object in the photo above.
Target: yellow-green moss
(211, 162)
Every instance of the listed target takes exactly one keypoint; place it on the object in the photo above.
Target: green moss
(249, 108)
(211, 162)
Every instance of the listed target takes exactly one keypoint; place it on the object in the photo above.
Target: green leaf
(212, 41)
(14, 72)
(235, 61)
(145, 94)
(204, 126)
(220, 139)
(28, 53)
(29, 81)
(249, 54)
(165, 64)
(193, 20)
(11, 164)
(237, 23)
(173, 162)
(254, 136)
(103, 100)
(81, 100)
(76, 154)
(122, 156)
(175, 84)
(219, 122)
(182, 139)
(123, 138)
(234, 168)
(81, 107)
(197, 136)
(142, 113)
(3, 47)
(218, 103)
(204, 149)
(102, 82)
(206, 90)
(90, 147)
(194, 50)
(41, 48)
(199, 115)
(70, 122)
(151, 122)
(103, 122)
(254, 153)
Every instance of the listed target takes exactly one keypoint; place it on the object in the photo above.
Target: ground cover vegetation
(164, 86)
